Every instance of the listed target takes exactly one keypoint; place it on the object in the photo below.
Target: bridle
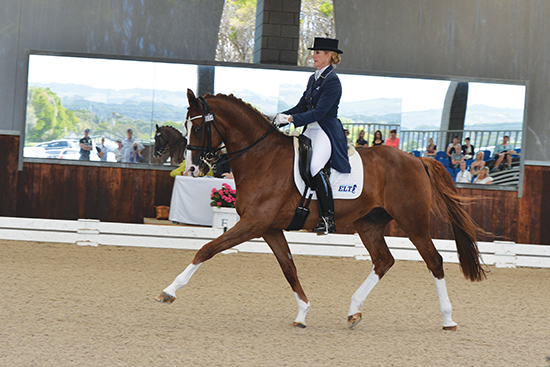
(164, 144)
(209, 153)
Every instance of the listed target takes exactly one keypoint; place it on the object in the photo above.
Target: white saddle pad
(344, 185)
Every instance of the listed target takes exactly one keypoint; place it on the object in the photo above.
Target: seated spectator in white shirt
(463, 175)
(483, 177)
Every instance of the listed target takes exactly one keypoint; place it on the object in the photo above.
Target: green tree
(236, 35)
(47, 119)
(316, 20)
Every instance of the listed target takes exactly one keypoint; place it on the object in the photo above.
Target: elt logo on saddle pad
(347, 188)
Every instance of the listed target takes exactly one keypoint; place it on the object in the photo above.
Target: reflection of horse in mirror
(397, 186)
(168, 138)
(149, 157)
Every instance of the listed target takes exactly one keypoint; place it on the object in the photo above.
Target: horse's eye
(196, 129)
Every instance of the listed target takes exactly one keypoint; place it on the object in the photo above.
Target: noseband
(209, 153)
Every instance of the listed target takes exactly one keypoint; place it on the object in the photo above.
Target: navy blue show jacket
(320, 103)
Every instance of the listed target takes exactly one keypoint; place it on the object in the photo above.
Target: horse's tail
(464, 228)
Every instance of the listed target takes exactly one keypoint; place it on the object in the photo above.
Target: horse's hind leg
(371, 231)
(417, 230)
(278, 244)
(434, 261)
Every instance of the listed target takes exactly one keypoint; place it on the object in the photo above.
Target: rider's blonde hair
(335, 58)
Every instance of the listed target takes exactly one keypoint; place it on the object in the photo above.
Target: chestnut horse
(168, 138)
(397, 186)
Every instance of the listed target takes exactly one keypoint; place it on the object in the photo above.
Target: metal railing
(410, 140)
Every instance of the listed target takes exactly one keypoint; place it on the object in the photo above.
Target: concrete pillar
(205, 80)
(277, 36)
(454, 112)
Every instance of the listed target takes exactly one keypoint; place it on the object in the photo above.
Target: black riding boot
(326, 203)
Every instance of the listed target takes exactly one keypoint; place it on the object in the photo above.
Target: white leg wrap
(444, 303)
(303, 309)
(361, 294)
(181, 280)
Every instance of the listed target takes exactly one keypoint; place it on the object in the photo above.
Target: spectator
(463, 176)
(85, 146)
(453, 147)
(431, 149)
(478, 164)
(128, 144)
(503, 151)
(454, 152)
(467, 149)
(393, 140)
(347, 136)
(102, 150)
(456, 159)
(483, 177)
(378, 140)
(135, 155)
(119, 150)
(361, 142)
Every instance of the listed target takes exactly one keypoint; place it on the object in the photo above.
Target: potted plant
(223, 206)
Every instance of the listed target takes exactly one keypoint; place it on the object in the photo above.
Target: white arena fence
(93, 232)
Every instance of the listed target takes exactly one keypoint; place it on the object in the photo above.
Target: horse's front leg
(278, 244)
(243, 231)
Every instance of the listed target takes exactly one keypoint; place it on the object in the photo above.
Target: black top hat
(325, 44)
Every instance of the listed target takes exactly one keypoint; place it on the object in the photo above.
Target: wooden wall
(116, 194)
(65, 191)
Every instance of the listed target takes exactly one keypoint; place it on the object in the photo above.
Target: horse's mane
(246, 105)
(172, 128)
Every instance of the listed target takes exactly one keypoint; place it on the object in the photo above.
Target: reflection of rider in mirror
(317, 111)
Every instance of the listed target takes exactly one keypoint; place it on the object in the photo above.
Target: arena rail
(90, 232)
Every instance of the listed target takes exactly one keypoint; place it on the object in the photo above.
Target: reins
(208, 152)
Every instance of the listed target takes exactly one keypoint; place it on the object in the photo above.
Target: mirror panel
(67, 94)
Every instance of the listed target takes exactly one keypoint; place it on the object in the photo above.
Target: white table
(191, 199)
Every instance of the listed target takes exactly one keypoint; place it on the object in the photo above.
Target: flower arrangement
(224, 197)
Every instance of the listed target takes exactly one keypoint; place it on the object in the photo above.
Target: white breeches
(320, 146)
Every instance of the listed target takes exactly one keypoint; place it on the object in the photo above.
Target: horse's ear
(191, 98)
(157, 125)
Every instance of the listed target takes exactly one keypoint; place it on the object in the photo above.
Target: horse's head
(161, 142)
(203, 135)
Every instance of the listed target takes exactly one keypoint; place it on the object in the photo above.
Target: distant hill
(172, 106)
(477, 117)
(133, 103)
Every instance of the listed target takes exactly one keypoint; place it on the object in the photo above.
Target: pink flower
(219, 204)
(213, 190)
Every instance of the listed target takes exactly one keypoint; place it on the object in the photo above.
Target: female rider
(317, 111)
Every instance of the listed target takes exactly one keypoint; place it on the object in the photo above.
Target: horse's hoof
(354, 319)
(165, 298)
(301, 325)
(449, 328)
